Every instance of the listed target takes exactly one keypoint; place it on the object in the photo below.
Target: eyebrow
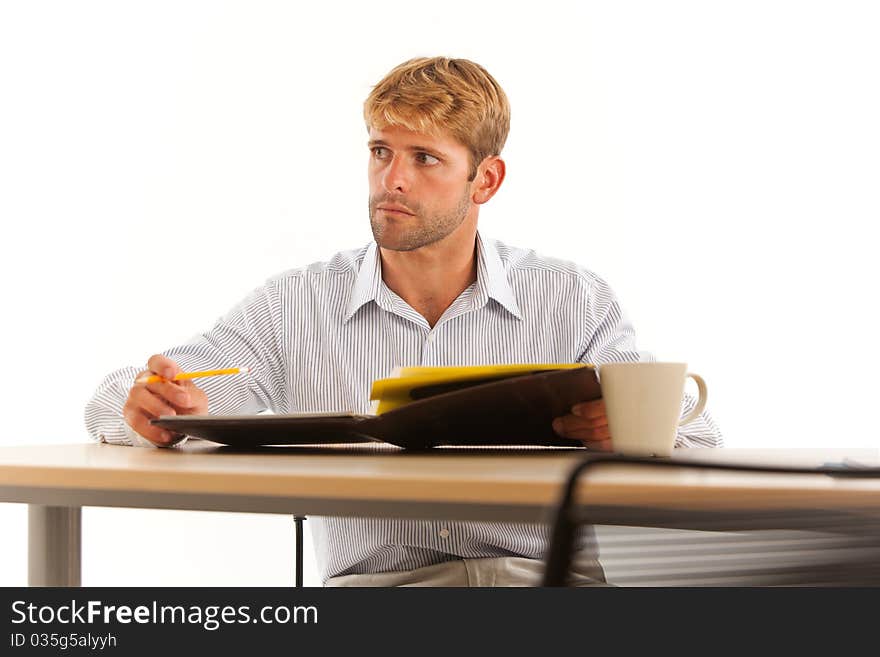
(427, 149)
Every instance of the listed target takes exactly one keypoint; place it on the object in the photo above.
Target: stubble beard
(421, 229)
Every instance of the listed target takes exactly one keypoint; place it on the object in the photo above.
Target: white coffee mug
(643, 405)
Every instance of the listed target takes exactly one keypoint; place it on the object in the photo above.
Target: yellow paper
(395, 391)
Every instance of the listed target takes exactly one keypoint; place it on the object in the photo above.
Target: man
(429, 291)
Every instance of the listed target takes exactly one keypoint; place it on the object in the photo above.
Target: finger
(152, 404)
(140, 423)
(589, 409)
(571, 426)
(185, 400)
(171, 393)
(163, 366)
(600, 433)
(599, 445)
(188, 384)
(198, 399)
(585, 433)
(592, 422)
(562, 425)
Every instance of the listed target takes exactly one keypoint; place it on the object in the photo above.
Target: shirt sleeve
(249, 335)
(610, 338)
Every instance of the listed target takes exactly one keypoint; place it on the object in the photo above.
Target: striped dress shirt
(316, 337)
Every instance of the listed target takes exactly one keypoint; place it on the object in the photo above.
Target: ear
(490, 175)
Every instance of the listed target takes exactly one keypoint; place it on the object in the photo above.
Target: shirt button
(444, 533)
(431, 338)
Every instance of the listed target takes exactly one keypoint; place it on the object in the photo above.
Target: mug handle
(701, 402)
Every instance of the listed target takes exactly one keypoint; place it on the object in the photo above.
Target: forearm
(104, 412)
(248, 335)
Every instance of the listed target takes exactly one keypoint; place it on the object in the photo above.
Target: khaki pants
(496, 571)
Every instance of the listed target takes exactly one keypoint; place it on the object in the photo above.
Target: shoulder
(524, 265)
(341, 266)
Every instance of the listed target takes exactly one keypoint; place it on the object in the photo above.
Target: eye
(379, 152)
(426, 158)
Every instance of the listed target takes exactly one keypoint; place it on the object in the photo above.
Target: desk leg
(54, 540)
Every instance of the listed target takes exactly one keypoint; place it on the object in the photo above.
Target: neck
(429, 279)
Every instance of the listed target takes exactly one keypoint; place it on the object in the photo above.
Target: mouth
(391, 209)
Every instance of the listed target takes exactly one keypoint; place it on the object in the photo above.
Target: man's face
(419, 191)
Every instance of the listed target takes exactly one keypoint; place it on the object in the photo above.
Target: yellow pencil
(155, 378)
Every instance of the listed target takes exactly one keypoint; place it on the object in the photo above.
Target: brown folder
(513, 411)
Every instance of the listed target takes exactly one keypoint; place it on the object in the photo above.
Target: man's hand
(149, 400)
(587, 423)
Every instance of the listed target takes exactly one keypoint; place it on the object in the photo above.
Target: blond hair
(433, 95)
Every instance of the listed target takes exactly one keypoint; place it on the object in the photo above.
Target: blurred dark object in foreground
(649, 556)
(749, 539)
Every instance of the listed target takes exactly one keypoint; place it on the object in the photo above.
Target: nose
(396, 177)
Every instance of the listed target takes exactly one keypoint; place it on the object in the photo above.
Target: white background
(716, 162)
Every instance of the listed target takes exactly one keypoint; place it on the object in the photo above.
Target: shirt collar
(368, 283)
(491, 279)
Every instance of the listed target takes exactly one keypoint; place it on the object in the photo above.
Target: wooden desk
(368, 480)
